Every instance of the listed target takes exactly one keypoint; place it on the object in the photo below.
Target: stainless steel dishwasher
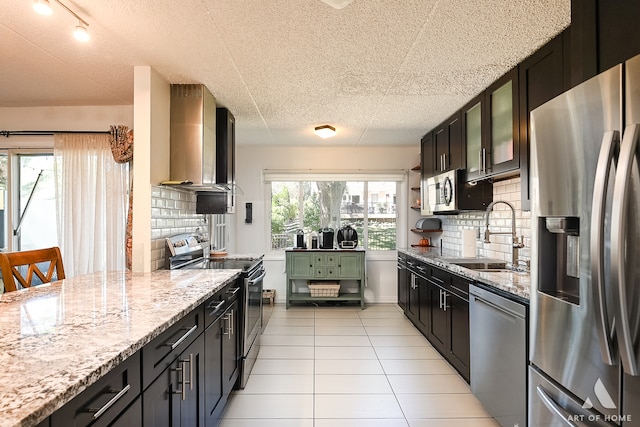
(498, 334)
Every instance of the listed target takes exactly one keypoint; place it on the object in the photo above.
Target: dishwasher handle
(504, 310)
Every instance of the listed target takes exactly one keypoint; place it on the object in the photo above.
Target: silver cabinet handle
(484, 160)
(479, 161)
(444, 300)
(610, 141)
(216, 308)
(619, 246)
(182, 338)
(183, 371)
(233, 291)
(110, 403)
(554, 407)
(229, 329)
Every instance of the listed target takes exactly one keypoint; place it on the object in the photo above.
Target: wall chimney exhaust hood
(193, 139)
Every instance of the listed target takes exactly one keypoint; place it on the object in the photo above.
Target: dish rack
(324, 289)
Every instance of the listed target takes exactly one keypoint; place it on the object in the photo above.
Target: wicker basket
(324, 289)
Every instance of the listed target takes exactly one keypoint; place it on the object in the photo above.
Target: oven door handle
(257, 279)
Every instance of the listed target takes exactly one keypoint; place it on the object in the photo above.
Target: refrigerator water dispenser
(559, 252)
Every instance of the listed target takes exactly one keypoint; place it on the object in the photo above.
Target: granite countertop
(59, 338)
(516, 283)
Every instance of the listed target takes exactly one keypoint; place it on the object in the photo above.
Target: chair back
(22, 267)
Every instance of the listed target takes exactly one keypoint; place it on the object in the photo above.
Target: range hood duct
(193, 138)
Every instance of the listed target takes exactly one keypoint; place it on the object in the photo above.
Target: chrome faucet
(515, 243)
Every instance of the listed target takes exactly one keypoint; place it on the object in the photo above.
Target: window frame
(402, 206)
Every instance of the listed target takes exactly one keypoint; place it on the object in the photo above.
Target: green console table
(330, 265)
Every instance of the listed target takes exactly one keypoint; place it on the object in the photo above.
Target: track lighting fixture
(81, 32)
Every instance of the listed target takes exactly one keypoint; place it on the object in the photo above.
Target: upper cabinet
(427, 169)
(541, 79)
(490, 129)
(226, 154)
(448, 145)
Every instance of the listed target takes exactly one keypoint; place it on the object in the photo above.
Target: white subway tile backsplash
(173, 211)
(500, 220)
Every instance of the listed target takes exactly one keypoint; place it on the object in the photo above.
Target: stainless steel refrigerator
(585, 300)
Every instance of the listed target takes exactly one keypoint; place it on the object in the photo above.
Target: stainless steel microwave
(449, 193)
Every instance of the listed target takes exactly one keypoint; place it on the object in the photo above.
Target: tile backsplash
(173, 211)
(499, 221)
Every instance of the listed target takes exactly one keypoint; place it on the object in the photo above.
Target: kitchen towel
(469, 243)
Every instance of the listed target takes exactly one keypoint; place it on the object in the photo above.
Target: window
(27, 201)
(311, 203)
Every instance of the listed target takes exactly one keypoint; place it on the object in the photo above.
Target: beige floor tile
(285, 321)
(286, 352)
(340, 330)
(392, 330)
(323, 322)
(270, 406)
(399, 341)
(416, 367)
(282, 366)
(348, 366)
(352, 384)
(403, 384)
(375, 321)
(360, 423)
(292, 313)
(278, 384)
(360, 406)
(336, 314)
(342, 340)
(345, 353)
(455, 422)
(288, 330)
(377, 314)
(382, 307)
(267, 423)
(441, 406)
(288, 340)
(404, 353)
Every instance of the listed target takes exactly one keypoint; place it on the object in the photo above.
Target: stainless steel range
(190, 251)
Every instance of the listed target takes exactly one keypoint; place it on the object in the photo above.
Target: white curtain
(91, 198)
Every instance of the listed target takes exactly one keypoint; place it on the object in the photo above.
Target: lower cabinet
(403, 282)
(438, 305)
(175, 398)
(106, 402)
(222, 352)
(183, 377)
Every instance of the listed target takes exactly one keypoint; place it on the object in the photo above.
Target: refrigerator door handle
(608, 151)
(554, 407)
(618, 246)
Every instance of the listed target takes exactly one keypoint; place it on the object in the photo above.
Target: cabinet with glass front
(491, 130)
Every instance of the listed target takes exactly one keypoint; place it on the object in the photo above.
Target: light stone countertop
(59, 338)
(515, 283)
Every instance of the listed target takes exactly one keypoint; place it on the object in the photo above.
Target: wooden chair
(12, 275)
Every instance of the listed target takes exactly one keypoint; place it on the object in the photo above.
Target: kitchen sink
(479, 264)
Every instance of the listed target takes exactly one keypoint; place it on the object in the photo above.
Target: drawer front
(215, 306)
(103, 401)
(440, 276)
(325, 260)
(166, 347)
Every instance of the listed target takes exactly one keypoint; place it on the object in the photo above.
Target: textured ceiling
(383, 72)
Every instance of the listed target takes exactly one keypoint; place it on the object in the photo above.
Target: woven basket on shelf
(324, 289)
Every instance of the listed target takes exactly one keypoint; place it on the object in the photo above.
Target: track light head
(80, 32)
(42, 7)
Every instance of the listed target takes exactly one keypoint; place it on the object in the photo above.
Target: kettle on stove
(347, 237)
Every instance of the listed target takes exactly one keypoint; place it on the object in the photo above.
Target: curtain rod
(8, 133)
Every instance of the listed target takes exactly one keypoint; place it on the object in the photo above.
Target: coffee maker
(325, 238)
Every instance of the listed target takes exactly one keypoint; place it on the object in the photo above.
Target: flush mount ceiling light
(338, 4)
(81, 33)
(325, 131)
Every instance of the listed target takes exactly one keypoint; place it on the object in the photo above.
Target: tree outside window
(368, 206)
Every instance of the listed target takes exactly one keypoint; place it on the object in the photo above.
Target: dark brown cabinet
(541, 79)
(437, 303)
(106, 402)
(490, 130)
(448, 145)
(226, 153)
(176, 397)
(403, 283)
